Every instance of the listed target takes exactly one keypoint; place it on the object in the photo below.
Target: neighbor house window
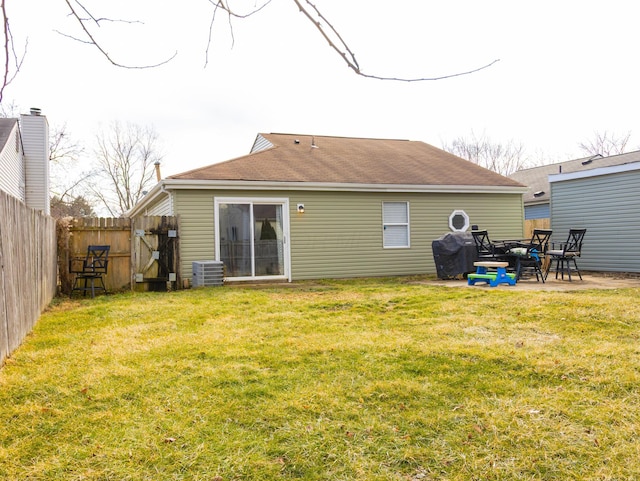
(395, 224)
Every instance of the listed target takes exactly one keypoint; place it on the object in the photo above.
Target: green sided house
(309, 207)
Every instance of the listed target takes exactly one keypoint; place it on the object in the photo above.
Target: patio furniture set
(506, 261)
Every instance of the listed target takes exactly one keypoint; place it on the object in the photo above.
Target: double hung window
(395, 224)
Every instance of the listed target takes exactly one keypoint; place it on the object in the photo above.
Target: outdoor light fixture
(300, 208)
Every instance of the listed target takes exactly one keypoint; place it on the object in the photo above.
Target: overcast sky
(567, 69)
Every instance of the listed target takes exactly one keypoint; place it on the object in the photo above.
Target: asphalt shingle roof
(6, 125)
(323, 159)
(537, 178)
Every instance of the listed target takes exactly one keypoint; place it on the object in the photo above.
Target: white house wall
(35, 139)
(12, 167)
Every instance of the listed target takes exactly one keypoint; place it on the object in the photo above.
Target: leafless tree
(126, 157)
(606, 144)
(89, 25)
(67, 177)
(62, 146)
(501, 158)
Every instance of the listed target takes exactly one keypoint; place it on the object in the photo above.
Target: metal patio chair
(90, 276)
(567, 253)
(531, 255)
(485, 249)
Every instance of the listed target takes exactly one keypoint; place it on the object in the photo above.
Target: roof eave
(343, 187)
(157, 191)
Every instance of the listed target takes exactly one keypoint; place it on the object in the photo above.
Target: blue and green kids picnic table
(492, 273)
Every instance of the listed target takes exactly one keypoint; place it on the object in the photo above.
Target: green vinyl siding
(196, 227)
(340, 233)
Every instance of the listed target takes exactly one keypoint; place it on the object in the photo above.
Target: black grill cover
(454, 253)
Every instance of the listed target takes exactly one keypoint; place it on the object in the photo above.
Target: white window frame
(463, 214)
(395, 223)
(284, 201)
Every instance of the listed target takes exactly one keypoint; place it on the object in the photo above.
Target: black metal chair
(94, 267)
(567, 253)
(532, 254)
(485, 250)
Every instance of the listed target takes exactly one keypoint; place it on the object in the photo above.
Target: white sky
(567, 69)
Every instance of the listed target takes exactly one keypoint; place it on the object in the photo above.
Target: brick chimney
(34, 130)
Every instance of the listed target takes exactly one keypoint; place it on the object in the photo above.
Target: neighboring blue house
(605, 201)
(537, 198)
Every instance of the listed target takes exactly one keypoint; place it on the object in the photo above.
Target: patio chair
(90, 276)
(567, 253)
(485, 250)
(531, 255)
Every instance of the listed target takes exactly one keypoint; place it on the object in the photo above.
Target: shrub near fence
(27, 270)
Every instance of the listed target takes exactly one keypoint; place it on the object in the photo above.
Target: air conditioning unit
(207, 273)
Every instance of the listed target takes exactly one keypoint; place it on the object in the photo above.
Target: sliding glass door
(251, 237)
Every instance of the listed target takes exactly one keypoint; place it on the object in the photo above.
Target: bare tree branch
(11, 59)
(83, 24)
(220, 5)
(66, 179)
(606, 144)
(125, 157)
(342, 48)
(89, 23)
(333, 38)
(501, 158)
(62, 147)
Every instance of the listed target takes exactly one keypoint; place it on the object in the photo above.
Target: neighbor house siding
(12, 167)
(163, 207)
(35, 139)
(540, 211)
(607, 206)
(340, 233)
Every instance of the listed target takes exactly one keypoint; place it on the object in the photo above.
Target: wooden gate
(143, 255)
(155, 253)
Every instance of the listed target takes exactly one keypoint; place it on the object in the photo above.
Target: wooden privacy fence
(143, 253)
(27, 270)
(531, 224)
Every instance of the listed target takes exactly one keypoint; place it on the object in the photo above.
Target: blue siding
(607, 206)
(540, 211)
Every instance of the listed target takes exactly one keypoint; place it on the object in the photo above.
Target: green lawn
(385, 379)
